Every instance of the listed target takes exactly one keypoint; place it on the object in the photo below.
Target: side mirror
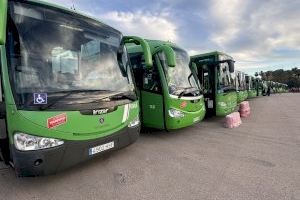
(123, 66)
(231, 65)
(3, 19)
(170, 54)
(144, 45)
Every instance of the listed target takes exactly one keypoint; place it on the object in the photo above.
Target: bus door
(206, 78)
(150, 95)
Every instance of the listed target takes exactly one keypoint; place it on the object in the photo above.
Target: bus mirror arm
(3, 19)
(144, 45)
(169, 53)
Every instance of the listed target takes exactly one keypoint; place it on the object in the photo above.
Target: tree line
(289, 77)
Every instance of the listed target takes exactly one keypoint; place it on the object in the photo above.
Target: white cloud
(252, 33)
(143, 24)
(226, 15)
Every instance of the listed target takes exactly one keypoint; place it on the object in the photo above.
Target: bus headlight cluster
(25, 142)
(134, 122)
(176, 113)
(222, 104)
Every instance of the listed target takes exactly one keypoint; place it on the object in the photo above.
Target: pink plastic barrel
(233, 120)
(244, 109)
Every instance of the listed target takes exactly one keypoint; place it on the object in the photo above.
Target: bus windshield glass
(226, 79)
(249, 83)
(179, 77)
(53, 51)
(241, 81)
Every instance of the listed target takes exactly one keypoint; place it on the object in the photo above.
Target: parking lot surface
(258, 160)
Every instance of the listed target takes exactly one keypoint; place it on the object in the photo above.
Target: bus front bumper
(52, 160)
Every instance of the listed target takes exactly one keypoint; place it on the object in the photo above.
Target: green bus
(265, 85)
(251, 86)
(215, 71)
(241, 88)
(274, 86)
(67, 93)
(170, 97)
(283, 88)
(258, 86)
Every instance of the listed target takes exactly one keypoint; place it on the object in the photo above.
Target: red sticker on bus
(57, 120)
(183, 104)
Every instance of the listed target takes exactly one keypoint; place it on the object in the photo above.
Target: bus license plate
(101, 148)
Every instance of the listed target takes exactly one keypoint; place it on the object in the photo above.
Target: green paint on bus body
(252, 93)
(226, 103)
(193, 113)
(77, 130)
(77, 127)
(242, 96)
(3, 17)
(241, 86)
(156, 102)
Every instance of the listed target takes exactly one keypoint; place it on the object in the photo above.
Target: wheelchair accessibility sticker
(40, 98)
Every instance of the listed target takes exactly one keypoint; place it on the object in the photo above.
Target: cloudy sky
(260, 35)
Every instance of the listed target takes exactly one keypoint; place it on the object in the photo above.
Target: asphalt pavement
(258, 160)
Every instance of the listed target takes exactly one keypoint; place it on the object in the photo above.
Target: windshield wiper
(118, 96)
(68, 93)
(228, 88)
(123, 96)
(186, 91)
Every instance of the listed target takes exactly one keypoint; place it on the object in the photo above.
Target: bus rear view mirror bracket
(144, 45)
(169, 53)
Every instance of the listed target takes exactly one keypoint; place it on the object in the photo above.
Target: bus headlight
(25, 142)
(176, 113)
(134, 122)
(222, 104)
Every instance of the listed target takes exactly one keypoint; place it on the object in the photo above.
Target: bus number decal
(183, 104)
(57, 120)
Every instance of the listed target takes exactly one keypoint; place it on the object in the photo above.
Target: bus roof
(213, 53)
(68, 10)
(132, 48)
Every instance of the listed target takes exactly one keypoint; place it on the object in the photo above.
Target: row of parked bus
(73, 87)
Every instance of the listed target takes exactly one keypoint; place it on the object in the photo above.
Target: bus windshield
(179, 77)
(241, 81)
(226, 79)
(250, 83)
(51, 51)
